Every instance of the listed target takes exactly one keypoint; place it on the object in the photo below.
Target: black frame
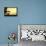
(5, 10)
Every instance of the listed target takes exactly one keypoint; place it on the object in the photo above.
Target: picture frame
(10, 11)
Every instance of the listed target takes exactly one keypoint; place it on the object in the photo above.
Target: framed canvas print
(10, 11)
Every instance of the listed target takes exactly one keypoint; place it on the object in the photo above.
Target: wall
(29, 12)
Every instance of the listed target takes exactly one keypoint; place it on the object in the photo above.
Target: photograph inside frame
(10, 11)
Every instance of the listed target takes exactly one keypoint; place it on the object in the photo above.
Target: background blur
(29, 12)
